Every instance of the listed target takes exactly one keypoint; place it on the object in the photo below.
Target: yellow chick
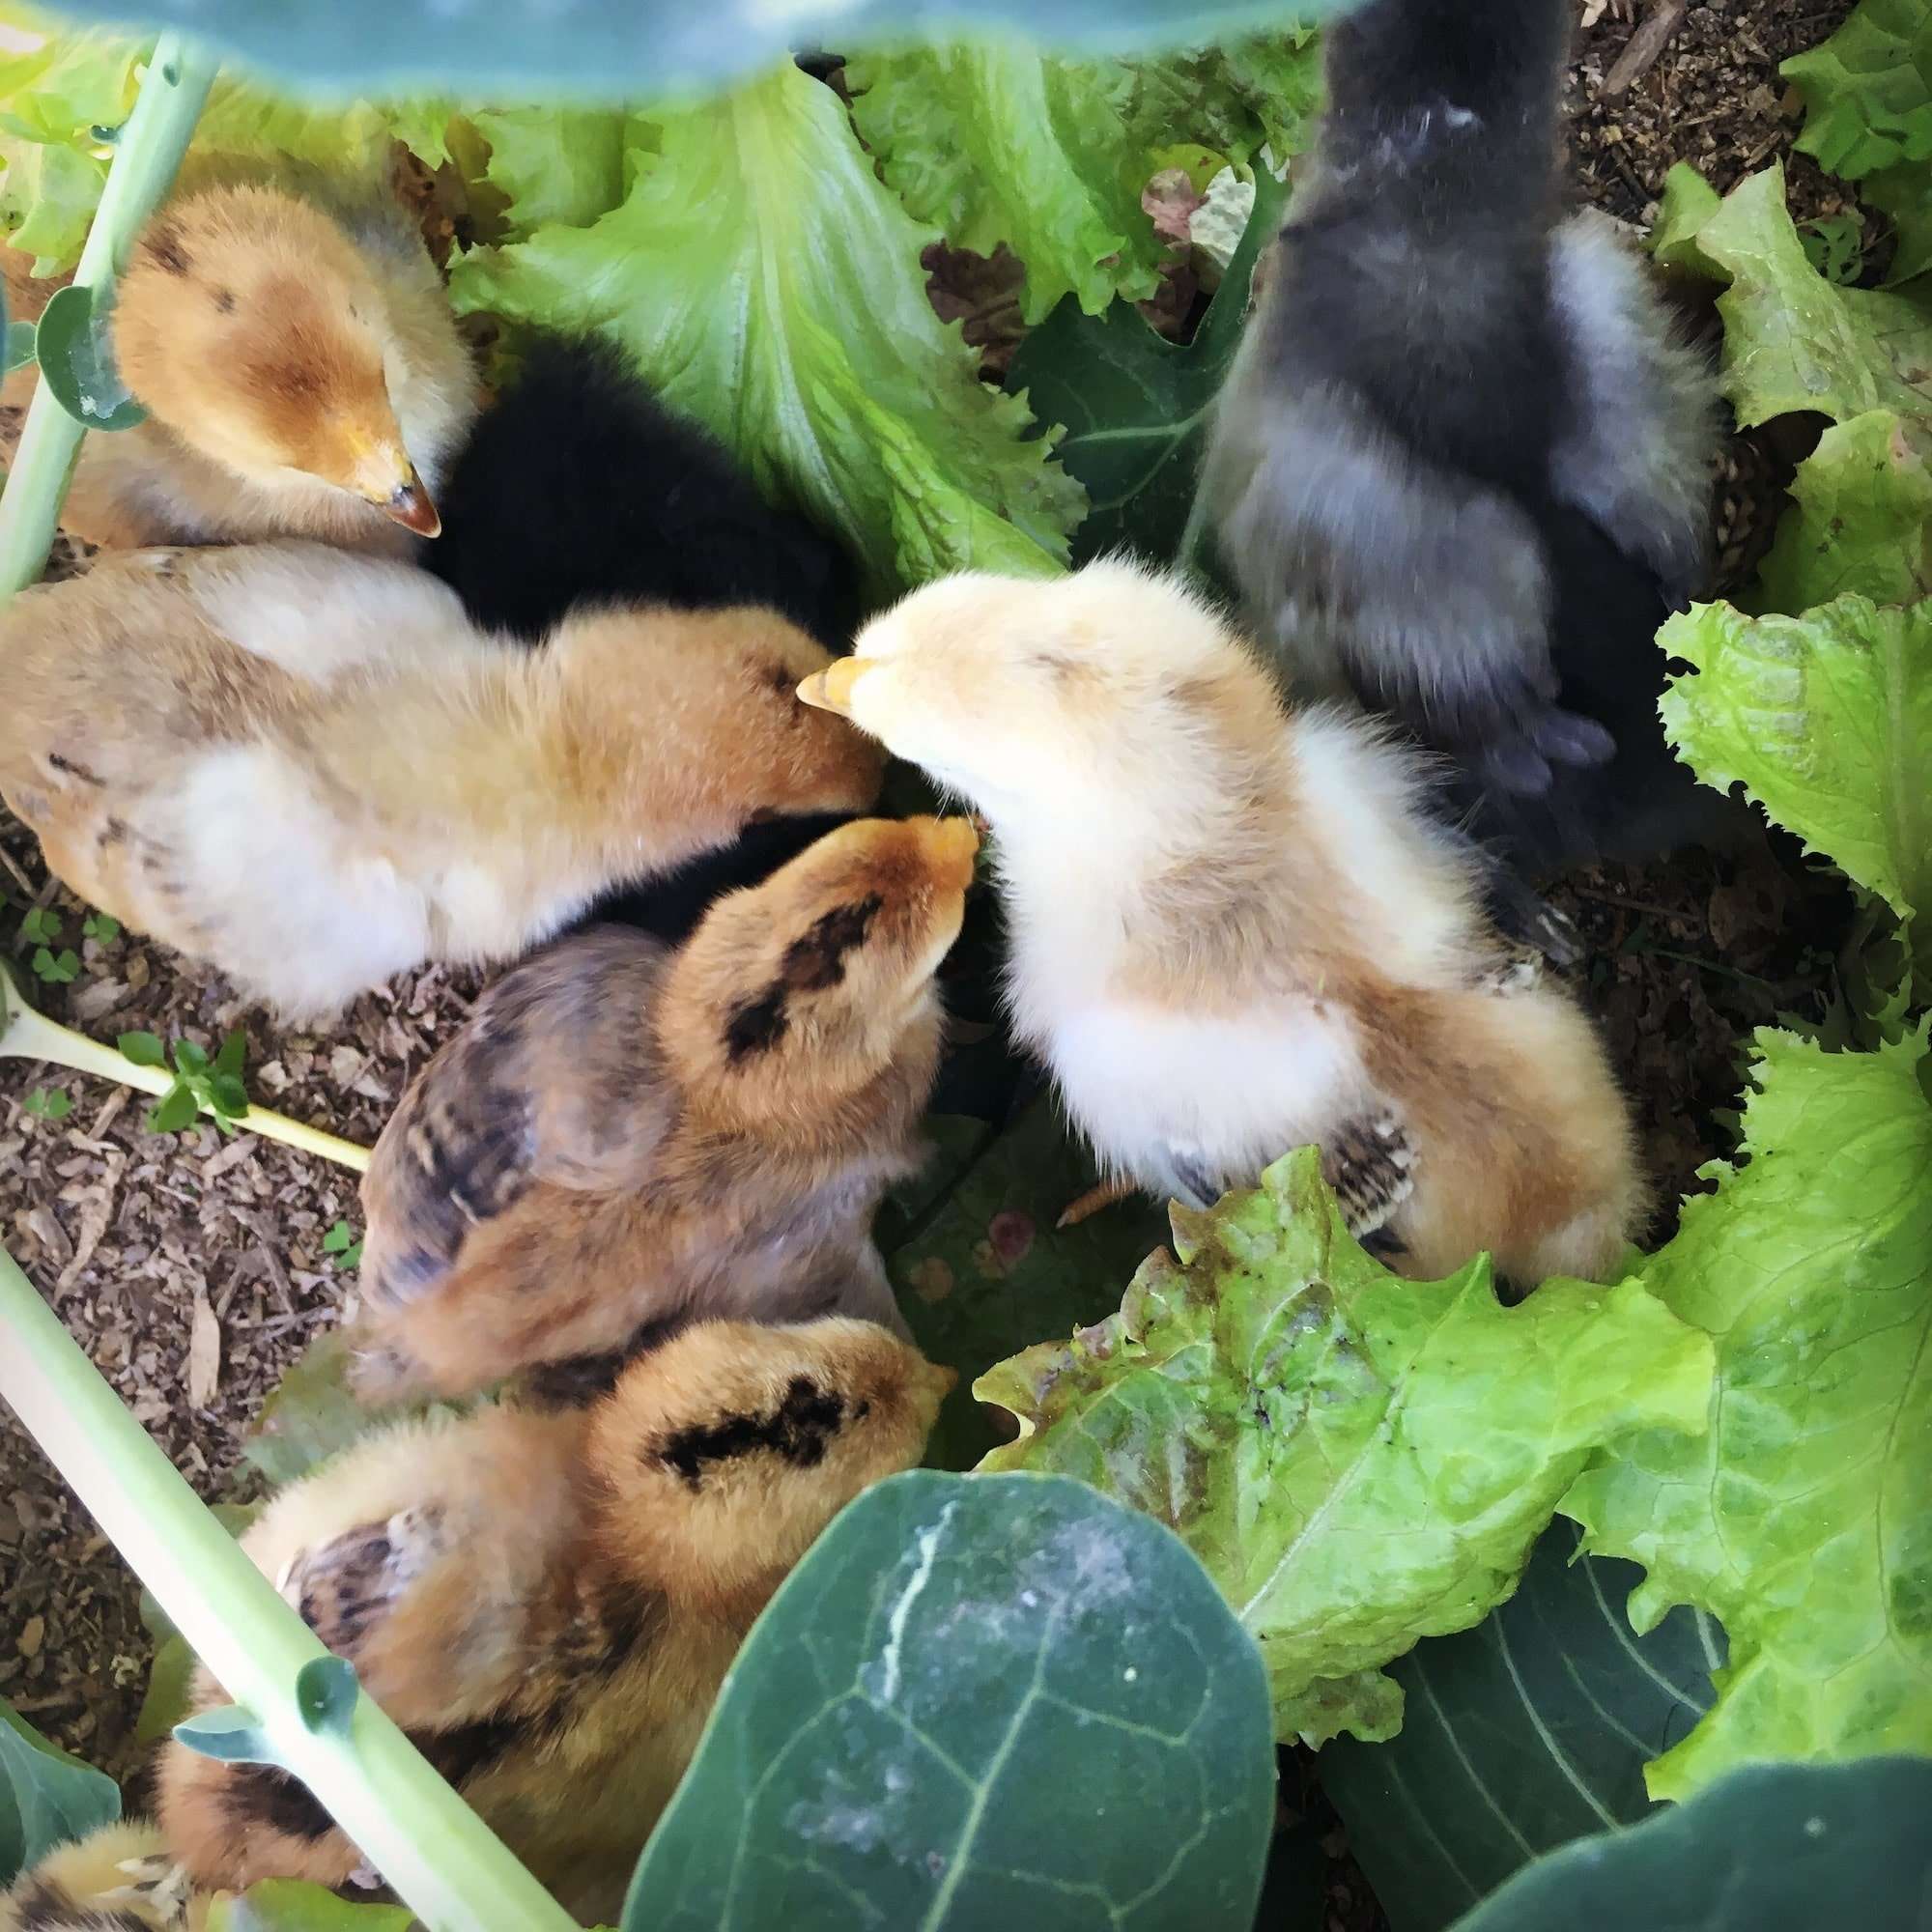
(120, 1878)
(546, 1601)
(308, 769)
(301, 371)
(1234, 931)
(626, 1137)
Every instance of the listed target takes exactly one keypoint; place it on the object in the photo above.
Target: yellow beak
(830, 689)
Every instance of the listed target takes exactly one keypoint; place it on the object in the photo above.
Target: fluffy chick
(579, 487)
(546, 1601)
(300, 367)
(121, 1878)
(1462, 465)
(625, 1137)
(1235, 931)
(311, 769)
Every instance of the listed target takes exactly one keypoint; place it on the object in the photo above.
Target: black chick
(1460, 468)
(579, 487)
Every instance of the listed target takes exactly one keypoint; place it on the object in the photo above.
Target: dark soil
(130, 1235)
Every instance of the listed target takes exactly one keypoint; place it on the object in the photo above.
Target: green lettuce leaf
(1688, 202)
(1799, 1520)
(767, 282)
(1794, 340)
(995, 141)
(1868, 90)
(1826, 719)
(1359, 1460)
(1863, 522)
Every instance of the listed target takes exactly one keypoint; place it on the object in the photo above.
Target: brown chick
(546, 1601)
(625, 1137)
(310, 770)
(300, 367)
(121, 1878)
(1236, 930)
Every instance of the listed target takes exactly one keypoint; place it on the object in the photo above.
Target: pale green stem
(28, 1035)
(146, 155)
(440, 1858)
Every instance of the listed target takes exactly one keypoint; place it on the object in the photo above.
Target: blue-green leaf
(77, 363)
(46, 1798)
(979, 1701)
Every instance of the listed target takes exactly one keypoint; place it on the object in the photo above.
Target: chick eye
(864, 1408)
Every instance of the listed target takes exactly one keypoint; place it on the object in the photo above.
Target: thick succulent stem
(27, 1035)
(146, 157)
(440, 1857)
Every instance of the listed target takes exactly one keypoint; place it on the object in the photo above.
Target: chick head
(721, 1454)
(250, 325)
(1025, 695)
(797, 993)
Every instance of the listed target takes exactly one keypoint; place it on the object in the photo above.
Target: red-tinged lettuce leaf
(1360, 1461)
(1800, 1520)
(767, 282)
(995, 141)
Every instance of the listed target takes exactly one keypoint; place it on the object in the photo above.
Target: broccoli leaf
(1360, 1461)
(1827, 719)
(979, 1700)
(1769, 1848)
(609, 50)
(766, 280)
(46, 1798)
(995, 141)
(1524, 1734)
(1135, 407)
(1799, 1521)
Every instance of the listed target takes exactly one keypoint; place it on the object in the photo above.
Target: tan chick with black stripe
(120, 1878)
(547, 1601)
(626, 1137)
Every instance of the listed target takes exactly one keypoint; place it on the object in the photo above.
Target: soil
(139, 1240)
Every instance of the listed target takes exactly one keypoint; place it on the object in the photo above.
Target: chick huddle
(520, 686)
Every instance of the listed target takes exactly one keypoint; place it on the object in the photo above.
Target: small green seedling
(49, 1104)
(57, 969)
(1835, 246)
(101, 926)
(42, 927)
(200, 1082)
(342, 1243)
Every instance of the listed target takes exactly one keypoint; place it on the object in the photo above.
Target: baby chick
(311, 769)
(625, 1138)
(547, 1601)
(1461, 467)
(579, 487)
(120, 1878)
(301, 368)
(1235, 931)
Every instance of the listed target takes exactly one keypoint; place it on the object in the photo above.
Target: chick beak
(830, 689)
(410, 506)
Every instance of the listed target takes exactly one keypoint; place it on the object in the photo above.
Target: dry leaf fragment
(204, 1351)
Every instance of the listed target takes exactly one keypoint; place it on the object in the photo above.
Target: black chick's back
(580, 489)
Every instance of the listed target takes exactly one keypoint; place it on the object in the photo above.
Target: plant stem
(440, 1857)
(146, 157)
(28, 1035)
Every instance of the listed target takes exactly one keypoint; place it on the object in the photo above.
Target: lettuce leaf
(1868, 90)
(1359, 1460)
(1826, 719)
(995, 141)
(767, 282)
(1862, 521)
(1800, 1520)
